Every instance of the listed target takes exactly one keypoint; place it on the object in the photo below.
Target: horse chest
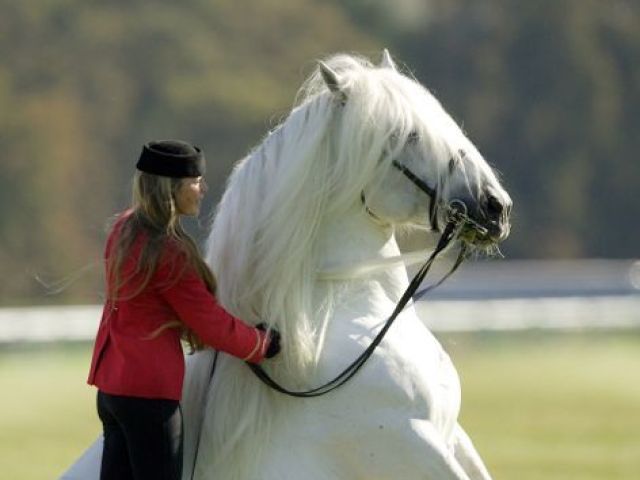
(409, 370)
(422, 369)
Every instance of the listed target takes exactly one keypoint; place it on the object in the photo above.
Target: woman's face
(189, 195)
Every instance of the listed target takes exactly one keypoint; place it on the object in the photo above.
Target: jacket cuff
(259, 349)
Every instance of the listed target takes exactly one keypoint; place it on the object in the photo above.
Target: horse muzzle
(484, 222)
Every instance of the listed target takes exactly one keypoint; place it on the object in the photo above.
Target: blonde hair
(154, 214)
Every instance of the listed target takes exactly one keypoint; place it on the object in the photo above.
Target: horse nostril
(494, 206)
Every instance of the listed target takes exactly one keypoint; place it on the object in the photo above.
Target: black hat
(171, 158)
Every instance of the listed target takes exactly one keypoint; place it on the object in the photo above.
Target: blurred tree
(84, 84)
(549, 91)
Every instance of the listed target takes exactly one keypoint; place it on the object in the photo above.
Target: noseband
(418, 182)
(456, 210)
(431, 192)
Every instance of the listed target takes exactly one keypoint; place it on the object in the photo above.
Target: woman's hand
(274, 340)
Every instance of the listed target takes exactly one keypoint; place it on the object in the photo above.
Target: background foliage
(548, 90)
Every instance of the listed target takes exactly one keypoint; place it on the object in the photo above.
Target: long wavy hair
(154, 215)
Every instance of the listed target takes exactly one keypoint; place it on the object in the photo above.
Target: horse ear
(386, 61)
(330, 77)
(332, 80)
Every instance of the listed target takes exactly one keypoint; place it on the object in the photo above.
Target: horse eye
(413, 137)
(453, 161)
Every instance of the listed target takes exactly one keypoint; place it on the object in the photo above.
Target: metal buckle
(458, 214)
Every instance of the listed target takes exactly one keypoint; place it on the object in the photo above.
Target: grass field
(538, 406)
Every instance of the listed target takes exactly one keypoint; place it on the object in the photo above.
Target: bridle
(422, 185)
(457, 218)
(431, 192)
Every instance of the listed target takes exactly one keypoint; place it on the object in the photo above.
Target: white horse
(304, 240)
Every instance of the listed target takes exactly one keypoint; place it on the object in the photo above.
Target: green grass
(537, 405)
(48, 412)
(552, 406)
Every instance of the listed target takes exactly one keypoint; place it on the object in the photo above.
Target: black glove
(274, 341)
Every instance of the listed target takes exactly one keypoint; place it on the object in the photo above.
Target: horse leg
(198, 373)
(87, 467)
(468, 457)
(438, 461)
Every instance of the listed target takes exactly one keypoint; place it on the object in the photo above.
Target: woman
(159, 290)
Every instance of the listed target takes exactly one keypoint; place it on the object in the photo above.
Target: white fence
(609, 312)
(78, 323)
(49, 324)
(499, 295)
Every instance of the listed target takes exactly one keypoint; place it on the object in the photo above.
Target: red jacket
(129, 360)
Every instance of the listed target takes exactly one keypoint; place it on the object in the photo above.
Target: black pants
(142, 438)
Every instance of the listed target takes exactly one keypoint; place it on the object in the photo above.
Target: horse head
(427, 168)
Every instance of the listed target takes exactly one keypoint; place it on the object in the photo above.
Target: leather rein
(457, 218)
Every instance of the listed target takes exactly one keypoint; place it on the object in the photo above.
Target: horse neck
(355, 239)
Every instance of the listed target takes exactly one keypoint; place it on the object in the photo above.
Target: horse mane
(315, 164)
(263, 244)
